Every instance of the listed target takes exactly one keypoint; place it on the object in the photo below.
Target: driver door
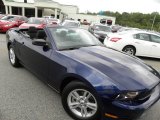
(36, 58)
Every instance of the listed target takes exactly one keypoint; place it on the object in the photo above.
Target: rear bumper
(122, 111)
(115, 45)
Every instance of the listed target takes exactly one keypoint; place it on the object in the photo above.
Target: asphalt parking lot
(24, 97)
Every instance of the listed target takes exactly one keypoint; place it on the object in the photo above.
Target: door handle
(154, 45)
(137, 42)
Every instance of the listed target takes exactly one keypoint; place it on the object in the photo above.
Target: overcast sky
(144, 6)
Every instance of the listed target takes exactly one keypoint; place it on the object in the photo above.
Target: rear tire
(130, 50)
(12, 57)
(80, 102)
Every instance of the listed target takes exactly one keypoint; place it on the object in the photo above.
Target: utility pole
(153, 21)
(159, 27)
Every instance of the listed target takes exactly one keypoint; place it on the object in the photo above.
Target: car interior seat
(41, 34)
(32, 31)
(62, 35)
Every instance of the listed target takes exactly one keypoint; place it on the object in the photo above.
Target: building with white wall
(39, 8)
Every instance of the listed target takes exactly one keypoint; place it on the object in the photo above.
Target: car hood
(124, 70)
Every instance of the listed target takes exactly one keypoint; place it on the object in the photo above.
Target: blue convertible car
(96, 83)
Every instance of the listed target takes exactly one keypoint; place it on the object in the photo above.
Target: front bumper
(121, 111)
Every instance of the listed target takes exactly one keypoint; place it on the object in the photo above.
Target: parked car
(2, 15)
(95, 82)
(53, 21)
(36, 22)
(100, 31)
(85, 22)
(115, 28)
(48, 17)
(71, 23)
(11, 21)
(139, 43)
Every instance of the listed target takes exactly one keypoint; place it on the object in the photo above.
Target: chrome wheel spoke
(85, 94)
(84, 112)
(74, 105)
(75, 95)
(92, 106)
(88, 96)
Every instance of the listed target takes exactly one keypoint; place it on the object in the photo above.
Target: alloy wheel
(129, 50)
(82, 103)
(12, 56)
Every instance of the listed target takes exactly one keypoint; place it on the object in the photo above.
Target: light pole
(153, 21)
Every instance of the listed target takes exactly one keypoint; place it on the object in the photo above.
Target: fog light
(111, 116)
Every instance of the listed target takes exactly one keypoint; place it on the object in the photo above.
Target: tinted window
(155, 38)
(66, 38)
(142, 36)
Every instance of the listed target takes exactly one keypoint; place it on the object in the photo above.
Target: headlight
(96, 35)
(127, 96)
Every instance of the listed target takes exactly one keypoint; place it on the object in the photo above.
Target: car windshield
(7, 17)
(70, 24)
(14, 19)
(103, 28)
(73, 38)
(35, 21)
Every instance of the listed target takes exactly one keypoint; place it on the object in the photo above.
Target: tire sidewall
(78, 85)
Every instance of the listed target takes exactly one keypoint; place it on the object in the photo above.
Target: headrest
(32, 29)
(63, 33)
(41, 34)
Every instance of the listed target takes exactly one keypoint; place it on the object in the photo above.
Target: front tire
(80, 102)
(12, 57)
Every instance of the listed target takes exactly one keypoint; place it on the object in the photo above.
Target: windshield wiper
(73, 48)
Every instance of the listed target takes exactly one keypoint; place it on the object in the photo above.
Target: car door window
(155, 38)
(142, 36)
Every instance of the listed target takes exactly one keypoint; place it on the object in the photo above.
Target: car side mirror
(39, 42)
